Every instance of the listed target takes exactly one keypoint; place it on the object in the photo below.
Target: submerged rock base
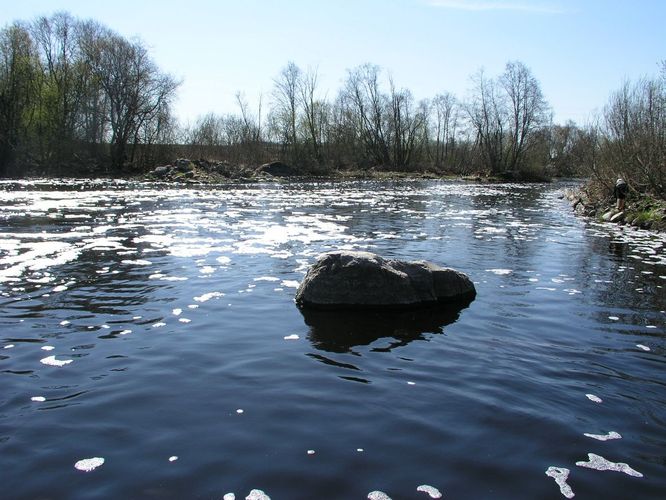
(363, 280)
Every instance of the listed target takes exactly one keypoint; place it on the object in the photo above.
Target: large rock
(361, 280)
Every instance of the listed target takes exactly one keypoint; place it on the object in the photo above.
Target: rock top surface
(359, 280)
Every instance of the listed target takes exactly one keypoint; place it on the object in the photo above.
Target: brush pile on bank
(641, 211)
(188, 171)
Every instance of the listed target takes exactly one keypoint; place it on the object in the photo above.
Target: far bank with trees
(76, 98)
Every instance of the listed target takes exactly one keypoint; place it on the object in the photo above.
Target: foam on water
(643, 347)
(430, 490)
(604, 437)
(52, 361)
(38, 399)
(598, 462)
(207, 296)
(257, 495)
(138, 262)
(500, 272)
(378, 495)
(89, 464)
(560, 474)
(594, 398)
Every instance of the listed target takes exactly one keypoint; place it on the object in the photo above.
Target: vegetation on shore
(78, 99)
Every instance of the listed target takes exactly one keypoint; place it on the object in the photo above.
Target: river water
(152, 329)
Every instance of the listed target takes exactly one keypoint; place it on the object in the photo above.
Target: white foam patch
(38, 399)
(257, 495)
(290, 283)
(177, 312)
(597, 462)
(430, 490)
(604, 437)
(229, 496)
(173, 458)
(311, 452)
(125, 332)
(207, 296)
(643, 347)
(52, 361)
(9, 346)
(47, 348)
(64, 322)
(560, 474)
(266, 278)
(378, 495)
(159, 324)
(223, 260)
(137, 262)
(207, 270)
(89, 464)
(651, 327)
(184, 320)
(613, 318)
(240, 411)
(292, 337)
(594, 398)
(500, 272)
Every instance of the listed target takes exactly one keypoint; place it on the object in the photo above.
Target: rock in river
(360, 280)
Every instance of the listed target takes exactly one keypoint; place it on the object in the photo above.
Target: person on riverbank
(620, 193)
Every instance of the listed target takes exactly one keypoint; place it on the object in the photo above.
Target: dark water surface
(187, 367)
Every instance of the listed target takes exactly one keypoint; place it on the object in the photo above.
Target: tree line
(502, 128)
(75, 95)
(75, 91)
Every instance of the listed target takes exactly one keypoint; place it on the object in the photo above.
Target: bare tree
(635, 134)
(406, 127)
(137, 91)
(314, 113)
(445, 114)
(366, 106)
(485, 111)
(528, 112)
(286, 107)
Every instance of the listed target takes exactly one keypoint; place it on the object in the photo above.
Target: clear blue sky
(579, 50)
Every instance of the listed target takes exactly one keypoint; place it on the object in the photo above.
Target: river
(150, 346)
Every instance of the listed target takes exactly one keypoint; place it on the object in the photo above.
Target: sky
(580, 51)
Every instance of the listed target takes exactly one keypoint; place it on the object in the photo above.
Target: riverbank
(641, 211)
(201, 171)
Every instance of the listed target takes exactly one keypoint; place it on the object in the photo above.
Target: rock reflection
(340, 331)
